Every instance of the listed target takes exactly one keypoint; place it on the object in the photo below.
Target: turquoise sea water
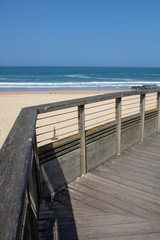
(51, 78)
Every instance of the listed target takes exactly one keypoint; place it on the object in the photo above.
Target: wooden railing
(81, 109)
(20, 190)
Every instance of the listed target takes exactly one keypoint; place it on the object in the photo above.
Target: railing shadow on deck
(58, 201)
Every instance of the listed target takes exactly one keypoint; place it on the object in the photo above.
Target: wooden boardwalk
(119, 200)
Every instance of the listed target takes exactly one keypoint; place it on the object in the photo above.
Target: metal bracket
(55, 137)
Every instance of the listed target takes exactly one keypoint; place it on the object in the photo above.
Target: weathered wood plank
(150, 146)
(158, 106)
(133, 172)
(14, 165)
(132, 177)
(96, 203)
(152, 236)
(114, 201)
(142, 111)
(136, 195)
(128, 183)
(134, 167)
(139, 162)
(98, 220)
(143, 156)
(111, 231)
(118, 121)
(126, 196)
(123, 187)
(81, 122)
(142, 164)
(82, 101)
(149, 151)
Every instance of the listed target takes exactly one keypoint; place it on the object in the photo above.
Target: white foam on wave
(77, 76)
(93, 84)
(115, 79)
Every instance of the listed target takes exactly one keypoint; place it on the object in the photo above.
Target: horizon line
(79, 66)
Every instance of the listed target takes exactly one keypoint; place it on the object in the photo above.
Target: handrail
(17, 152)
(15, 161)
(87, 100)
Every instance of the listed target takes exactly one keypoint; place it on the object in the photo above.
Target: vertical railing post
(36, 158)
(81, 122)
(158, 107)
(118, 120)
(142, 112)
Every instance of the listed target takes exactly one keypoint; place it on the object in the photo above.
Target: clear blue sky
(80, 33)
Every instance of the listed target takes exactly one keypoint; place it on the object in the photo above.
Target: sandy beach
(12, 102)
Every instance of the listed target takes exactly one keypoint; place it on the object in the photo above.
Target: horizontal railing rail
(20, 190)
(82, 101)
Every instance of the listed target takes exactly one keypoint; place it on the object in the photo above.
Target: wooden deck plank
(127, 189)
(128, 182)
(141, 163)
(110, 231)
(133, 177)
(149, 164)
(144, 158)
(132, 171)
(139, 151)
(117, 188)
(110, 189)
(97, 203)
(150, 152)
(99, 220)
(154, 236)
(113, 201)
(129, 166)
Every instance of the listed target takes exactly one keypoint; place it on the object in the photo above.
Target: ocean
(53, 78)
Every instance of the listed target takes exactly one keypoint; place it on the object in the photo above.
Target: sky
(80, 33)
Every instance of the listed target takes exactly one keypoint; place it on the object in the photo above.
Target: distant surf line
(73, 84)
